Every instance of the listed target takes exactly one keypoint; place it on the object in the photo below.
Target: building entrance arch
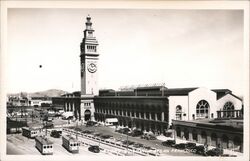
(87, 115)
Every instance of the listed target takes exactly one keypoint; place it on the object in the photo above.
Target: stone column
(199, 137)
(209, 139)
(156, 118)
(140, 115)
(162, 116)
(150, 116)
(65, 107)
(182, 134)
(190, 135)
(71, 106)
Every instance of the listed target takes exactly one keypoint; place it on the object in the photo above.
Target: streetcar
(44, 145)
(29, 132)
(70, 143)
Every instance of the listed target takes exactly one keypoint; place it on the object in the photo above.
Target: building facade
(149, 113)
(89, 72)
(226, 134)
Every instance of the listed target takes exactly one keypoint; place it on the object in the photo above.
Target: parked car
(94, 148)
(200, 150)
(128, 142)
(148, 136)
(135, 133)
(97, 134)
(138, 145)
(190, 145)
(91, 123)
(106, 136)
(169, 143)
(180, 146)
(55, 133)
(49, 125)
(214, 152)
(87, 131)
(149, 148)
(123, 130)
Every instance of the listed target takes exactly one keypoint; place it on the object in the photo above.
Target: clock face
(92, 68)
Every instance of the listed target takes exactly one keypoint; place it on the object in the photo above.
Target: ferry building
(153, 107)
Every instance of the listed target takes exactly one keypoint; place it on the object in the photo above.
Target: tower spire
(88, 23)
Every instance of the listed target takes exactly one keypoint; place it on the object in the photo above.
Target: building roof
(221, 92)
(43, 140)
(178, 91)
(70, 138)
(230, 94)
(151, 88)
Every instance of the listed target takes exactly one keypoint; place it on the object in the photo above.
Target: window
(202, 109)
(228, 108)
(45, 147)
(178, 112)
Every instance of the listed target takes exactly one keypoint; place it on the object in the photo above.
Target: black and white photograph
(148, 81)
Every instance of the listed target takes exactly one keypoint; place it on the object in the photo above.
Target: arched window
(228, 108)
(237, 144)
(186, 134)
(178, 131)
(195, 135)
(225, 141)
(202, 109)
(203, 137)
(213, 139)
(178, 112)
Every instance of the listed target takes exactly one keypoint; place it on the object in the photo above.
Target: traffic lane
(107, 148)
(59, 149)
(12, 150)
(19, 144)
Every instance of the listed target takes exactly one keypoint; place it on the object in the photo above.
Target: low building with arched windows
(226, 134)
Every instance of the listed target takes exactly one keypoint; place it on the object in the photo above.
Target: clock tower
(89, 58)
(89, 72)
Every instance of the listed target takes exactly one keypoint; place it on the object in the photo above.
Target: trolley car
(44, 145)
(70, 143)
(29, 132)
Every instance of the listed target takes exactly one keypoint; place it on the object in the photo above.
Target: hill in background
(47, 93)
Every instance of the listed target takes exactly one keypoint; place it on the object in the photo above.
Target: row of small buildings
(22, 100)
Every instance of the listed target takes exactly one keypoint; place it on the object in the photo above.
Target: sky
(181, 48)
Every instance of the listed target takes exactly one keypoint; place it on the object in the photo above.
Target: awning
(110, 120)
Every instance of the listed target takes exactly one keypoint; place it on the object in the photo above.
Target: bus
(70, 143)
(44, 145)
(29, 132)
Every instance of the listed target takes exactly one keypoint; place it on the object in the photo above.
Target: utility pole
(127, 144)
(32, 115)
